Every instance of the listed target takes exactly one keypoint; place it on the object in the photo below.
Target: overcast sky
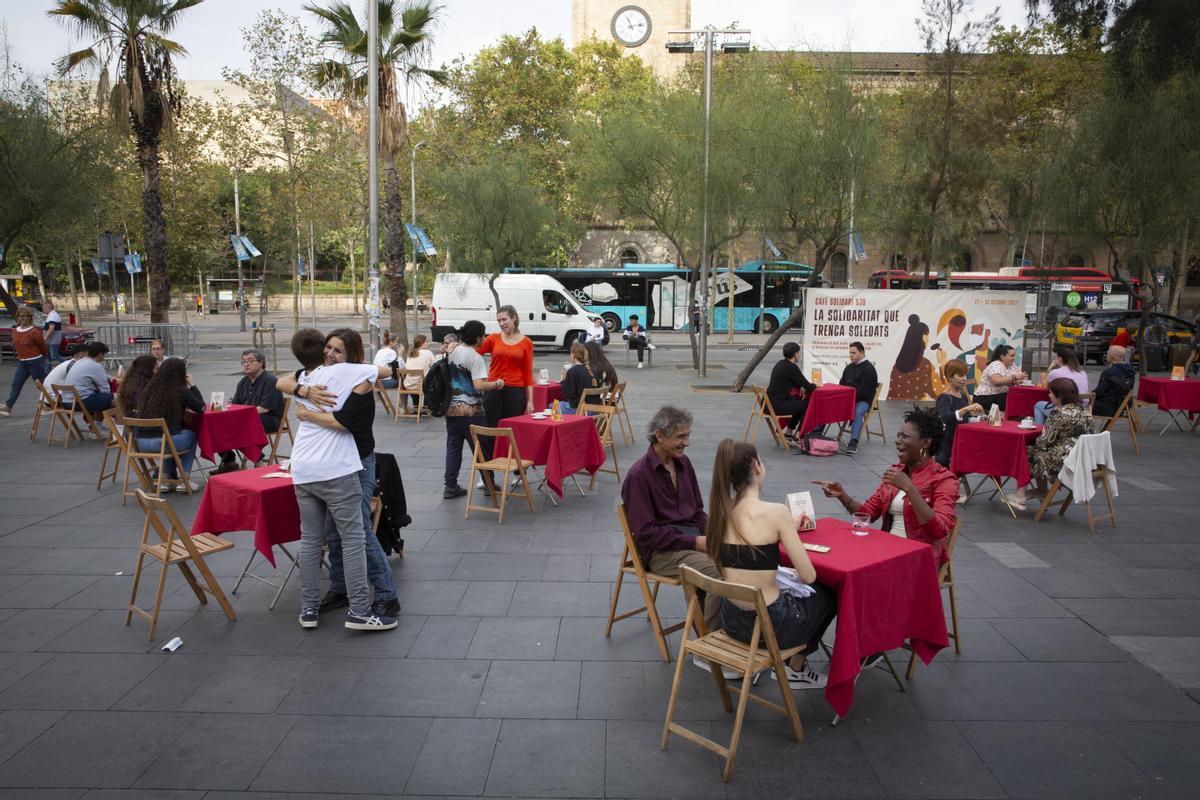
(211, 31)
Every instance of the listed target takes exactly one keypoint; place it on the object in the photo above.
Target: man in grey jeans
(325, 466)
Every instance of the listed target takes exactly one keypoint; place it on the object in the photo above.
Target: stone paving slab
(1077, 676)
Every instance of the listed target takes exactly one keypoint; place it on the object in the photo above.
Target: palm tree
(404, 43)
(143, 101)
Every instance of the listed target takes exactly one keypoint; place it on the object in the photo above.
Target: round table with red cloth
(827, 404)
(995, 450)
(888, 593)
(544, 394)
(561, 448)
(1170, 395)
(1021, 400)
(235, 428)
(247, 501)
(1147, 391)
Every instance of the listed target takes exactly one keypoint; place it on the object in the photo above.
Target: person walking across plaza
(468, 381)
(53, 330)
(32, 355)
(859, 374)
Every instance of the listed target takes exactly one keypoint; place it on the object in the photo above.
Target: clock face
(631, 26)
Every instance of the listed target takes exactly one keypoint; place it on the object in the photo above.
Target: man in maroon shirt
(664, 506)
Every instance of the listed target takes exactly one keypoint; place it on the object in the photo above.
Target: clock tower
(638, 26)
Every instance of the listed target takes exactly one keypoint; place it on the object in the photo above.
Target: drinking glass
(859, 523)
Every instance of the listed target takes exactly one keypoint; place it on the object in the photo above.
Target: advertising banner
(909, 334)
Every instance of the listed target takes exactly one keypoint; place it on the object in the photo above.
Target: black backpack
(438, 388)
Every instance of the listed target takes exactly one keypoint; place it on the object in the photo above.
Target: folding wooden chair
(68, 405)
(720, 649)
(872, 412)
(603, 416)
(388, 406)
(618, 399)
(403, 394)
(506, 464)
(285, 426)
(1127, 412)
(153, 462)
(175, 546)
(115, 446)
(763, 411)
(631, 564)
(44, 405)
(945, 581)
(1101, 474)
(597, 395)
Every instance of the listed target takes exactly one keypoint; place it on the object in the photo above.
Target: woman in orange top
(32, 356)
(512, 363)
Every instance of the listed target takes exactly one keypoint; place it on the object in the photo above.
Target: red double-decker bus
(1073, 287)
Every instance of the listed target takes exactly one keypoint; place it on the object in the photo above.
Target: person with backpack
(468, 379)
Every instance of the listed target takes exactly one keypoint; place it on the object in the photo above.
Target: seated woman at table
(917, 497)
(1066, 365)
(998, 376)
(419, 357)
(743, 537)
(602, 369)
(954, 406)
(169, 395)
(389, 355)
(1068, 422)
(133, 383)
(577, 378)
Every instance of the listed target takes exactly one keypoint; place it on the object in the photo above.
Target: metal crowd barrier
(128, 341)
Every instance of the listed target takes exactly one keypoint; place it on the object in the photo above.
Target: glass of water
(860, 522)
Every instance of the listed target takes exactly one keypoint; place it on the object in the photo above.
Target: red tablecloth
(1021, 400)
(562, 448)
(246, 501)
(993, 450)
(828, 404)
(1147, 391)
(1179, 396)
(887, 591)
(235, 428)
(114, 385)
(546, 393)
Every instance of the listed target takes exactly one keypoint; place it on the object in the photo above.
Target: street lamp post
(733, 40)
(412, 177)
(237, 227)
(373, 169)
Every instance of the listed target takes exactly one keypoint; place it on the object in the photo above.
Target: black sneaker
(451, 492)
(852, 448)
(309, 618)
(372, 621)
(389, 609)
(332, 601)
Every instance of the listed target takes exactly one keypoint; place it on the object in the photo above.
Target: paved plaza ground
(1079, 677)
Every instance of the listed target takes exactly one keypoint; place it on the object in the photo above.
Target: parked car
(71, 334)
(1091, 331)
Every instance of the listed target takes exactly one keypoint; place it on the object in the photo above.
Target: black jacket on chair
(389, 487)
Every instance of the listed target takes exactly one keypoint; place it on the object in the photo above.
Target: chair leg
(1112, 514)
(655, 621)
(158, 596)
(214, 589)
(137, 579)
(616, 596)
(895, 675)
(674, 696)
(789, 702)
(190, 577)
(912, 665)
(1047, 501)
(954, 618)
(528, 490)
(738, 719)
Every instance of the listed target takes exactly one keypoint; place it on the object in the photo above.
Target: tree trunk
(393, 251)
(1179, 279)
(353, 277)
(295, 243)
(71, 282)
(154, 232)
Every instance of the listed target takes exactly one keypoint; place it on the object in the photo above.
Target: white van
(547, 313)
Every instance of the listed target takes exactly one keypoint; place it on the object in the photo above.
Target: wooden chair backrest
(405, 374)
(588, 394)
(952, 539)
(496, 433)
(1121, 411)
(154, 427)
(602, 415)
(875, 398)
(694, 581)
(61, 390)
(172, 530)
(630, 542)
(47, 398)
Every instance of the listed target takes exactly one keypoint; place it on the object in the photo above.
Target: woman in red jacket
(918, 495)
(32, 356)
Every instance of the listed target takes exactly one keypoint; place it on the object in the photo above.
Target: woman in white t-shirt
(389, 355)
(1002, 373)
(420, 357)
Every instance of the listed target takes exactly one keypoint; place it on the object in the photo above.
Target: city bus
(765, 293)
(1063, 287)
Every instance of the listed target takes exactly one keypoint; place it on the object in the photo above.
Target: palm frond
(165, 18)
(72, 60)
(169, 46)
(341, 28)
(439, 76)
(85, 16)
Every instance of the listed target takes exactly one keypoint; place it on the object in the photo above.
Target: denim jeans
(98, 402)
(389, 383)
(458, 431)
(55, 353)
(379, 571)
(342, 498)
(860, 412)
(185, 445)
(1042, 410)
(33, 368)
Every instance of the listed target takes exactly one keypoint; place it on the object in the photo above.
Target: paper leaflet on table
(801, 506)
(216, 401)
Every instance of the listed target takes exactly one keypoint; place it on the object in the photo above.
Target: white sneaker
(650, 347)
(183, 487)
(807, 678)
(640, 365)
(728, 674)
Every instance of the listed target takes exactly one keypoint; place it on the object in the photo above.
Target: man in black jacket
(860, 374)
(788, 390)
(1116, 381)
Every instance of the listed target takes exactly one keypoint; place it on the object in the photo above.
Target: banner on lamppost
(771, 246)
(300, 270)
(860, 252)
(239, 248)
(910, 334)
(373, 305)
(420, 240)
(99, 266)
(250, 248)
(133, 263)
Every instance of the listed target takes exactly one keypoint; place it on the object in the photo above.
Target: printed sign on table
(909, 334)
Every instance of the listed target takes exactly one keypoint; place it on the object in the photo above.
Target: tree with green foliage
(405, 34)
(143, 101)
